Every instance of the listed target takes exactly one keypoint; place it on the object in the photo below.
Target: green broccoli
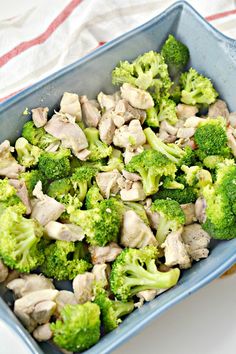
(78, 328)
(62, 261)
(148, 71)
(196, 89)
(71, 203)
(31, 178)
(19, 241)
(38, 136)
(187, 195)
(139, 210)
(151, 165)
(164, 111)
(212, 161)
(93, 197)
(102, 223)
(112, 310)
(115, 162)
(81, 180)
(9, 198)
(169, 183)
(152, 119)
(196, 176)
(171, 217)
(27, 154)
(98, 149)
(211, 139)
(135, 270)
(59, 188)
(55, 165)
(173, 152)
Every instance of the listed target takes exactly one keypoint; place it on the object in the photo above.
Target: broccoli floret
(9, 198)
(78, 327)
(93, 197)
(187, 195)
(211, 139)
(151, 165)
(196, 89)
(31, 178)
(111, 310)
(71, 203)
(62, 261)
(152, 117)
(167, 111)
(102, 223)
(139, 210)
(59, 188)
(55, 165)
(115, 162)
(135, 270)
(196, 176)
(171, 217)
(81, 180)
(19, 241)
(148, 71)
(212, 161)
(98, 149)
(27, 154)
(37, 136)
(173, 152)
(176, 56)
(170, 183)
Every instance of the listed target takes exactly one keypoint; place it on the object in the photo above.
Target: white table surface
(205, 323)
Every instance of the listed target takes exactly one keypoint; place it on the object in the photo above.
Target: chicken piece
(131, 134)
(22, 193)
(66, 130)
(12, 275)
(63, 298)
(147, 295)
(136, 97)
(107, 127)
(28, 283)
(189, 212)
(70, 104)
(108, 183)
(9, 167)
(53, 147)
(107, 102)
(124, 109)
(3, 272)
(170, 129)
(124, 183)
(100, 255)
(43, 333)
(193, 122)
(165, 137)
(134, 194)
(135, 233)
(231, 136)
(197, 241)
(65, 232)
(83, 287)
(153, 216)
(100, 273)
(43, 311)
(200, 210)
(45, 208)
(176, 252)
(218, 108)
(232, 119)
(185, 133)
(131, 152)
(90, 113)
(40, 116)
(134, 177)
(24, 307)
(185, 111)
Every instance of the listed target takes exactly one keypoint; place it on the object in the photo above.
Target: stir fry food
(116, 195)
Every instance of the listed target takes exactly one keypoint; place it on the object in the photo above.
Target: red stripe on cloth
(42, 37)
(220, 15)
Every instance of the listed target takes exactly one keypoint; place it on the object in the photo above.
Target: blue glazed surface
(212, 54)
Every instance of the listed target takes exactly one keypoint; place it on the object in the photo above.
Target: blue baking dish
(214, 55)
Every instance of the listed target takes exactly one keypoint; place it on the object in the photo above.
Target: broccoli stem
(122, 308)
(162, 231)
(83, 187)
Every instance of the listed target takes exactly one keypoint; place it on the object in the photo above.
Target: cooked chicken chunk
(166, 137)
(175, 250)
(107, 102)
(134, 177)
(134, 194)
(131, 152)
(63, 298)
(28, 283)
(185, 111)
(147, 295)
(185, 133)
(83, 287)
(45, 208)
(200, 209)
(189, 211)
(193, 122)
(135, 233)
(70, 134)
(22, 193)
(70, 104)
(218, 108)
(100, 273)
(231, 136)
(124, 109)
(43, 311)
(9, 167)
(3, 272)
(107, 127)
(131, 134)
(90, 113)
(197, 241)
(40, 116)
(43, 333)
(232, 119)
(136, 97)
(170, 129)
(153, 217)
(100, 255)
(108, 183)
(65, 232)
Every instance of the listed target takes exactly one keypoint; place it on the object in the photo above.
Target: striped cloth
(40, 37)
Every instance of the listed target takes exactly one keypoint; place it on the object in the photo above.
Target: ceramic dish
(214, 55)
